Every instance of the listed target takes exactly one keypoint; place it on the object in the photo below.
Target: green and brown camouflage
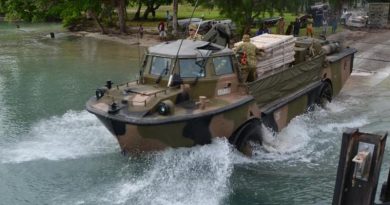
(190, 92)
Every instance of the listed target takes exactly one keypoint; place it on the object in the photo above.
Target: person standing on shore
(290, 28)
(262, 30)
(280, 28)
(161, 30)
(309, 27)
(141, 31)
(297, 27)
(334, 23)
(324, 26)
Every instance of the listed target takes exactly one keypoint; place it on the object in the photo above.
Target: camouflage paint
(229, 103)
(136, 138)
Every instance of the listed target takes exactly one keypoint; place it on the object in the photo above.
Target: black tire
(325, 95)
(246, 135)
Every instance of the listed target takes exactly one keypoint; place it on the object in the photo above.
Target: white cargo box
(272, 41)
(277, 51)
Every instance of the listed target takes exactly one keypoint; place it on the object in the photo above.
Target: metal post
(359, 166)
(385, 191)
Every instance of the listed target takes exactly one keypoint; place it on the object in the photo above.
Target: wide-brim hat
(246, 38)
(192, 27)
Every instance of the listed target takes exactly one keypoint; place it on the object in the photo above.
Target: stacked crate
(276, 51)
(273, 51)
(378, 14)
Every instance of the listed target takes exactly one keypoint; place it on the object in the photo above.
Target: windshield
(190, 69)
(159, 64)
(223, 65)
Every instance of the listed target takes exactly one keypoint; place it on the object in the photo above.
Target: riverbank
(148, 38)
(131, 39)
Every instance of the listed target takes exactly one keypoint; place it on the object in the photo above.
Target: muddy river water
(54, 152)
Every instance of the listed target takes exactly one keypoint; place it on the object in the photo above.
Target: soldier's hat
(246, 38)
(192, 27)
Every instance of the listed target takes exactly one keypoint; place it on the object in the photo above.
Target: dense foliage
(245, 11)
(112, 13)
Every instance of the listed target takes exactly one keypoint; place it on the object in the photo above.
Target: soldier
(297, 27)
(192, 31)
(334, 23)
(280, 28)
(262, 30)
(309, 27)
(247, 58)
(324, 26)
(290, 28)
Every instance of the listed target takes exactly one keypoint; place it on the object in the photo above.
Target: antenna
(140, 73)
(139, 43)
(181, 42)
(197, 29)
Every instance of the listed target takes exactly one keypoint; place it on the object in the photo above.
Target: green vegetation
(116, 14)
(184, 12)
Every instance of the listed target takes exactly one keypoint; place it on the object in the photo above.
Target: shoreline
(129, 39)
(345, 37)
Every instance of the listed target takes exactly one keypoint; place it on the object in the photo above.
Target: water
(54, 152)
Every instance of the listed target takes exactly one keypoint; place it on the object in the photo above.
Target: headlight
(100, 92)
(165, 107)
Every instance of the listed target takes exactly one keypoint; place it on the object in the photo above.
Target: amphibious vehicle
(189, 92)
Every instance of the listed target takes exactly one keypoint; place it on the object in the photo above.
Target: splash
(2, 107)
(308, 137)
(72, 135)
(287, 144)
(198, 175)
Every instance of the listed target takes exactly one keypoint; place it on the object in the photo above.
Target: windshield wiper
(163, 72)
(201, 63)
(197, 76)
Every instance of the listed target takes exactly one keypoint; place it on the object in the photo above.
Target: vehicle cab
(204, 69)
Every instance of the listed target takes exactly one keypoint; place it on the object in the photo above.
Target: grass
(185, 11)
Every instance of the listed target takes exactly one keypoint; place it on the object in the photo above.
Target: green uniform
(247, 59)
(196, 37)
(280, 27)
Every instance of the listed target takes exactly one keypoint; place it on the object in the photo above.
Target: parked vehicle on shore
(190, 92)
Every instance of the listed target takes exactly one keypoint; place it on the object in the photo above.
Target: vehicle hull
(139, 136)
(221, 106)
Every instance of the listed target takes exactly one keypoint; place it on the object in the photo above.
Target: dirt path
(367, 42)
(372, 60)
(373, 48)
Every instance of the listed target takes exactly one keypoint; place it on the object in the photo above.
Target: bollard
(359, 166)
(385, 191)
(202, 102)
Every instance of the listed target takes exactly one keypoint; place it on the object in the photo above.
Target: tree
(31, 10)
(174, 19)
(138, 12)
(152, 6)
(121, 9)
(242, 12)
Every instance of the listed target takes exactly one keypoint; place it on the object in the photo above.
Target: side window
(223, 65)
(190, 69)
(160, 65)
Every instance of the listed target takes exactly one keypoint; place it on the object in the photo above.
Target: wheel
(247, 135)
(325, 95)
